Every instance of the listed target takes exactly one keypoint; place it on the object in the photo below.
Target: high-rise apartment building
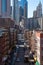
(5, 8)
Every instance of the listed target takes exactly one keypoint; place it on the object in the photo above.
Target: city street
(18, 53)
(20, 56)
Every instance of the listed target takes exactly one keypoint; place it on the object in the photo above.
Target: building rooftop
(2, 30)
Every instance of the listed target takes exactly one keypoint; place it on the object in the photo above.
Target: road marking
(31, 60)
(22, 46)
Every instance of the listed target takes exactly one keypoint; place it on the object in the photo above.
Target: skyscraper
(5, 8)
(0, 8)
(21, 12)
(19, 9)
(8, 8)
(34, 13)
(25, 9)
(15, 11)
(38, 11)
(23, 5)
(12, 9)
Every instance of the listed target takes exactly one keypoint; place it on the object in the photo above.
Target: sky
(32, 4)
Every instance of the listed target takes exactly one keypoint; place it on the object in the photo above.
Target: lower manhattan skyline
(32, 6)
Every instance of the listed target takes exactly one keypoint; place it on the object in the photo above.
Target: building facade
(34, 23)
(23, 5)
(21, 12)
(25, 9)
(34, 14)
(0, 8)
(39, 49)
(5, 8)
(39, 10)
(40, 22)
(15, 11)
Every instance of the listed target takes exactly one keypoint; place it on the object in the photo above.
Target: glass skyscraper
(23, 3)
(4, 6)
(19, 9)
(15, 11)
(21, 12)
(23, 6)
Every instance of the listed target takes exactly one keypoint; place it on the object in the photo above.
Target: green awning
(37, 63)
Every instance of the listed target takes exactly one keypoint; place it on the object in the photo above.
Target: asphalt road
(21, 63)
(19, 59)
(20, 56)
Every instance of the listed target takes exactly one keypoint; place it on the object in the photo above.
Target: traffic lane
(20, 42)
(14, 55)
(21, 63)
(21, 54)
(31, 63)
(24, 63)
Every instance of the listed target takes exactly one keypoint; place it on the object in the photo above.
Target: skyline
(32, 6)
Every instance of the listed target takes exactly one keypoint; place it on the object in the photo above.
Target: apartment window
(35, 41)
(42, 58)
(42, 48)
(41, 42)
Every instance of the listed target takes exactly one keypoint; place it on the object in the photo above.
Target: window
(42, 58)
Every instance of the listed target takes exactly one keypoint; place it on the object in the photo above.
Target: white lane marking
(22, 46)
(31, 60)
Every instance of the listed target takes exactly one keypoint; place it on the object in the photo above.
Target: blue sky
(32, 4)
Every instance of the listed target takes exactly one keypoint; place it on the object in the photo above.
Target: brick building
(6, 22)
(8, 40)
(39, 48)
(4, 45)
